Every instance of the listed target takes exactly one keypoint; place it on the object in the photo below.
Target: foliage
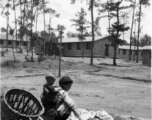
(81, 23)
(60, 29)
(70, 34)
(145, 40)
(115, 9)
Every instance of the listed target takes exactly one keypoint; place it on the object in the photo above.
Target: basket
(20, 105)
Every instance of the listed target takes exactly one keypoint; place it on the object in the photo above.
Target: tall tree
(14, 8)
(6, 13)
(81, 23)
(141, 3)
(91, 4)
(134, 6)
(115, 8)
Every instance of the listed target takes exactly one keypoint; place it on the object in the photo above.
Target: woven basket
(20, 105)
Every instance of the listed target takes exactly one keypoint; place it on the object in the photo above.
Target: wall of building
(147, 57)
(126, 56)
(99, 49)
(74, 52)
(5, 42)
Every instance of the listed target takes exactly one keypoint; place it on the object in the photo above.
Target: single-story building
(12, 41)
(72, 47)
(146, 55)
(124, 52)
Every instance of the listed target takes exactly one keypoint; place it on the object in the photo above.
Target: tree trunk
(82, 49)
(36, 19)
(21, 24)
(7, 27)
(115, 54)
(32, 30)
(138, 31)
(109, 19)
(92, 22)
(13, 49)
(44, 23)
(131, 29)
(15, 21)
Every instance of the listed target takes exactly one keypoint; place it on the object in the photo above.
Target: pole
(92, 45)
(60, 54)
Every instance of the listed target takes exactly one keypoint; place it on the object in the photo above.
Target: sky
(67, 11)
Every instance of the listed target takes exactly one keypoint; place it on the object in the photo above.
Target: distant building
(102, 47)
(146, 55)
(124, 52)
(25, 43)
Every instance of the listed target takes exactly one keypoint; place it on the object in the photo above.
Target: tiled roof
(88, 39)
(3, 36)
(127, 47)
(146, 48)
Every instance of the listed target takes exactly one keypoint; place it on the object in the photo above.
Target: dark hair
(65, 80)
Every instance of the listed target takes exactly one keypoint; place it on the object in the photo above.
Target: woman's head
(50, 79)
(65, 83)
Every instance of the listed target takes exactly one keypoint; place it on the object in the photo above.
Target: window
(69, 46)
(1, 42)
(24, 43)
(9, 42)
(78, 46)
(141, 53)
(124, 52)
(119, 51)
(17, 43)
(87, 46)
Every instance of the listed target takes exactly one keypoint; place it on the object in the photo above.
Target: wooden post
(60, 53)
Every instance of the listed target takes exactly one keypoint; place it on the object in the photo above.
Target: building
(146, 50)
(124, 52)
(25, 43)
(102, 47)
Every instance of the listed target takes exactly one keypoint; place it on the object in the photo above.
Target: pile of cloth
(91, 115)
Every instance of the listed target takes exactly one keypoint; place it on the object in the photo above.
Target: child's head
(65, 83)
(50, 79)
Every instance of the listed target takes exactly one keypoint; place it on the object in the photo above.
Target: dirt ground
(123, 90)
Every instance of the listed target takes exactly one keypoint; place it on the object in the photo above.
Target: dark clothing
(51, 101)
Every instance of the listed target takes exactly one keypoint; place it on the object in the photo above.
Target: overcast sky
(68, 11)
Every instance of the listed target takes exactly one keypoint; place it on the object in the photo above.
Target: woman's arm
(77, 114)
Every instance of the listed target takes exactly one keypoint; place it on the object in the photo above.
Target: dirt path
(95, 87)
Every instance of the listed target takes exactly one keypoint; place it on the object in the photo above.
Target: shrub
(9, 63)
(41, 58)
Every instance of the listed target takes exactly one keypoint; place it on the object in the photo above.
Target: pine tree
(81, 24)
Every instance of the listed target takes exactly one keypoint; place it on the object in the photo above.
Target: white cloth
(99, 115)
(67, 104)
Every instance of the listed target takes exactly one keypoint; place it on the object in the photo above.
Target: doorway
(106, 49)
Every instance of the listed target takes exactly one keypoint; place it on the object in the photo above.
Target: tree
(117, 27)
(81, 23)
(91, 4)
(6, 14)
(134, 6)
(145, 40)
(71, 35)
(60, 29)
(141, 3)
(14, 8)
